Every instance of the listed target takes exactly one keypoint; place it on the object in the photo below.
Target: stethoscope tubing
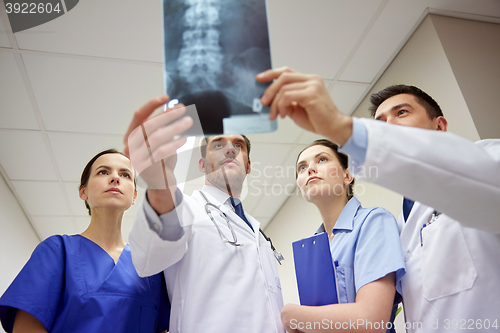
(234, 242)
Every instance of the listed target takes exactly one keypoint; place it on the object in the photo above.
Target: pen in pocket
(421, 240)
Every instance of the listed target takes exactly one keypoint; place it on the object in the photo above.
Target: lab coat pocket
(270, 263)
(447, 266)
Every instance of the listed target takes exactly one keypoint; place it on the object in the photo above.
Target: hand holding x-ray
(151, 143)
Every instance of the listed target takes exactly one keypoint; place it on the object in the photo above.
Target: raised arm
(150, 144)
(442, 170)
(453, 175)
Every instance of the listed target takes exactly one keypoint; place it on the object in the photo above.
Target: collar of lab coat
(346, 217)
(220, 196)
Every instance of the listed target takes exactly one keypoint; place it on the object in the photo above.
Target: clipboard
(315, 272)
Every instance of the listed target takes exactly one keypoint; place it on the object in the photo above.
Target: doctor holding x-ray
(450, 235)
(219, 267)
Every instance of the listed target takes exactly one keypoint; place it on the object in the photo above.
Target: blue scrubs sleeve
(38, 287)
(378, 249)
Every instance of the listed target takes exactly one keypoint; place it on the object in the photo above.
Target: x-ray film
(213, 50)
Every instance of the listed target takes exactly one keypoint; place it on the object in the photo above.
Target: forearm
(441, 170)
(161, 195)
(341, 129)
(349, 317)
(162, 201)
(369, 313)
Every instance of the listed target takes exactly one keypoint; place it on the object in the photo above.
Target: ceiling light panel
(24, 156)
(347, 96)
(42, 198)
(16, 110)
(267, 162)
(272, 200)
(384, 40)
(4, 39)
(47, 226)
(308, 137)
(90, 95)
(73, 151)
(77, 205)
(126, 29)
(305, 35)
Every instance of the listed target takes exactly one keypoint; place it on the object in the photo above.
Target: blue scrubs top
(365, 248)
(70, 284)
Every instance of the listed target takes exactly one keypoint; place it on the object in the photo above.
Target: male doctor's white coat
(452, 279)
(213, 286)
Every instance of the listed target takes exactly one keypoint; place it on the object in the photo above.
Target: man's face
(403, 109)
(228, 153)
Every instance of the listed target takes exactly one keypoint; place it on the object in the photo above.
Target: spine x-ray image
(213, 50)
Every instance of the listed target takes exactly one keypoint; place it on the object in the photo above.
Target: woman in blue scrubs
(364, 244)
(87, 282)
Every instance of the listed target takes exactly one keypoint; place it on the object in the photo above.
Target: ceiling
(69, 87)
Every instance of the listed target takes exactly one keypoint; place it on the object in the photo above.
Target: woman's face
(111, 183)
(320, 173)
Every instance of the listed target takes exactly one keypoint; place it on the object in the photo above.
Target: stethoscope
(234, 242)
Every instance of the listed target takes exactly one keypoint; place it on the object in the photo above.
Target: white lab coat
(213, 286)
(453, 272)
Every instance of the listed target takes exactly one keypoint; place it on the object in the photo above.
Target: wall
(423, 63)
(17, 237)
(473, 50)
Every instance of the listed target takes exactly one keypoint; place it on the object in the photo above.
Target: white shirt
(213, 286)
(453, 272)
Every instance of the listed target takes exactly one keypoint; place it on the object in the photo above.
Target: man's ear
(82, 194)
(442, 124)
(201, 164)
(249, 167)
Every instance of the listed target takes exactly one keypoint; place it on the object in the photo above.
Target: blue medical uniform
(365, 248)
(70, 284)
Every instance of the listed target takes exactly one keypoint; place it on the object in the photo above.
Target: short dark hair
(427, 102)
(343, 159)
(84, 179)
(204, 141)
